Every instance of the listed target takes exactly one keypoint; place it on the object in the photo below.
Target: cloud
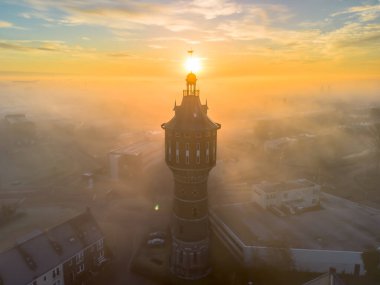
(119, 54)
(355, 35)
(364, 13)
(4, 24)
(176, 39)
(265, 30)
(156, 46)
(41, 46)
(209, 9)
(175, 16)
(14, 47)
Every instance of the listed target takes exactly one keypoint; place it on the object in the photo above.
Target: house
(68, 253)
(294, 196)
(20, 129)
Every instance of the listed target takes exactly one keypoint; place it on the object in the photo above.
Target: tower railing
(190, 92)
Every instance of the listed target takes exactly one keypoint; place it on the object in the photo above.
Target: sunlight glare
(193, 64)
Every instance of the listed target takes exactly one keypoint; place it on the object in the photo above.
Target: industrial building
(131, 160)
(335, 235)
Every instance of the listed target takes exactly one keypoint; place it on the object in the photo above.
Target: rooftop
(16, 118)
(134, 149)
(191, 115)
(40, 251)
(27, 219)
(270, 187)
(327, 228)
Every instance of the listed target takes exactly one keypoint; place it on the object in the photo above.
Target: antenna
(190, 52)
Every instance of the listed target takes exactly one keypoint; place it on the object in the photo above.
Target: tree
(375, 136)
(371, 260)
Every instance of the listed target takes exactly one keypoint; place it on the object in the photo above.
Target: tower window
(180, 229)
(207, 152)
(198, 153)
(195, 257)
(187, 154)
(195, 212)
(170, 151)
(213, 151)
(177, 152)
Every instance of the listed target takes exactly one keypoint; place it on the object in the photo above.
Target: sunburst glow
(193, 64)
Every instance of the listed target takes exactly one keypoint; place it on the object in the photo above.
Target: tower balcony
(190, 92)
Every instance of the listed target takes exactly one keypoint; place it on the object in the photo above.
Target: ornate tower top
(192, 64)
(191, 114)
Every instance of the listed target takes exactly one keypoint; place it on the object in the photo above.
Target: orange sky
(277, 45)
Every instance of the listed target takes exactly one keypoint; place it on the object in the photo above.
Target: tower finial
(190, 52)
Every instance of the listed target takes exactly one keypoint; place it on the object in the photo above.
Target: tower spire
(191, 78)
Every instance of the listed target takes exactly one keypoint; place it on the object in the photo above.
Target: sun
(193, 64)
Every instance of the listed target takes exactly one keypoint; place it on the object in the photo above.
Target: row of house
(67, 254)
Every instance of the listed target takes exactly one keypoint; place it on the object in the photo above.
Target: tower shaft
(190, 152)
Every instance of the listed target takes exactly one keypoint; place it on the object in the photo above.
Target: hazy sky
(316, 39)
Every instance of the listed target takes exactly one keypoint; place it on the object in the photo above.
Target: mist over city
(189, 142)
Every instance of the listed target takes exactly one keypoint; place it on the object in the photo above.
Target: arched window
(198, 153)
(207, 152)
(195, 258)
(169, 151)
(177, 152)
(213, 151)
(187, 154)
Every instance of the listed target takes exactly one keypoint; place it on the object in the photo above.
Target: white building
(293, 196)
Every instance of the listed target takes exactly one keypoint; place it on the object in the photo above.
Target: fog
(322, 121)
(272, 130)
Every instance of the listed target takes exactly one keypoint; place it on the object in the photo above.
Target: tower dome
(191, 78)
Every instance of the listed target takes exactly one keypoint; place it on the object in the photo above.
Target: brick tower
(190, 153)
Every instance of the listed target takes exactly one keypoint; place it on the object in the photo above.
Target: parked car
(156, 242)
(158, 234)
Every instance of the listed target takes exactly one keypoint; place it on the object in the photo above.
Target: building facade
(294, 196)
(312, 241)
(69, 254)
(190, 153)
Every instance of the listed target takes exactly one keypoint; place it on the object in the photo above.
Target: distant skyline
(311, 38)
